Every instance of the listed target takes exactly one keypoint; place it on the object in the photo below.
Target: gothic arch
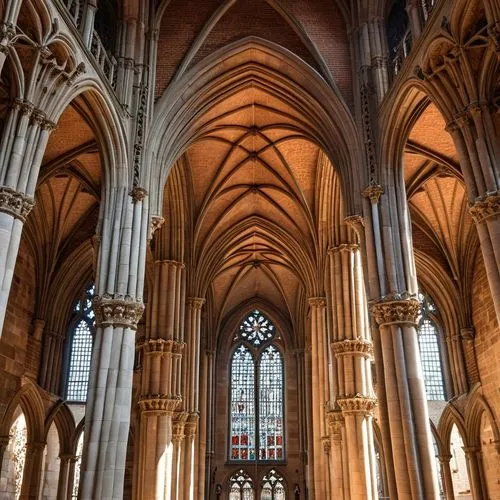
(450, 417)
(61, 415)
(476, 407)
(259, 63)
(29, 399)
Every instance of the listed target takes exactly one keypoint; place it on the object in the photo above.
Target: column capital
(68, 457)
(195, 302)
(467, 333)
(485, 208)
(335, 420)
(354, 347)
(138, 194)
(396, 310)
(344, 247)
(156, 222)
(169, 262)
(162, 346)
(357, 404)
(317, 301)
(325, 441)
(444, 458)
(117, 311)
(356, 222)
(373, 191)
(159, 404)
(18, 205)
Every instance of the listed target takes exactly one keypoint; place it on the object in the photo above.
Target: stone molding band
(485, 208)
(317, 301)
(396, 311)
(124, 313)
(162, 346)
(344, 247)
(355, 347)
(357, 404)
(16, 204)
(159, 404)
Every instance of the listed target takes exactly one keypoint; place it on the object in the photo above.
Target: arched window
(256, 392)
(398, 34)
(78, 464)
(241, 487)
(273, 486)
(80, 347)
(430, 352)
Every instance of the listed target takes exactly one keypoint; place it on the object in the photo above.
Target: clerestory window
(80, 347)
(256, 393)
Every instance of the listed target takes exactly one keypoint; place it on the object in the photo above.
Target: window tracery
(430, 352)
(273, 486)
(14, 459)
(256, 392)
(81, 341)
(241, 487)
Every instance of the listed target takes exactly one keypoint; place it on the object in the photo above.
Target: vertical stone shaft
(118, 307)
(160, 397)
(23, 143)
(403, 404)
(352, 348)
(319, 382)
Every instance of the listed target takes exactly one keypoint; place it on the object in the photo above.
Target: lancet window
(430, 352)
(256, 393)
(80, 350)
(273, 486)
(241, 487)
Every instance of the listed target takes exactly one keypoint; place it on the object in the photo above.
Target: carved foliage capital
(16, 204)
(195, 302)
(162, 346)
(344, 247)
(398, 311)
(373, 191)
(357, 404)
(117, 312)
(485, 208)
(335, 421)
(156, 222)
(317, 302)
(353, 347)
(356, 222)
(159, 404)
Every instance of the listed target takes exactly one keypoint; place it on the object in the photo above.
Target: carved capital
(317, 301)
(191, 424)
(7, 34)
(195, 302)
(374, 191)
(159, 404)
(357, 404)
(356, 347)
(16, 204)
(485, 208)
(161, 347)
(117, 312)
(335, 421)
(325, 441)
(138, 194)
(344, 247)
(356, 222)
(156, 223)
(467, 334)
(396, 311)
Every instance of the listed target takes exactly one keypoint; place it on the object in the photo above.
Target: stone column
(49, 375)
(191, 377)
(8, 28)
(338, 457)
(477, 486)
(413, 9)
(118, 307)
(404, 416)
(161, 372)
(444, 460)
(353, 351)
(65, 482)
(32, 471)
(319, 392)
(24, 137)
(177, 463)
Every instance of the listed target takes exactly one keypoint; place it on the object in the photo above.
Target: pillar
(160, 396)
(353, 350)
(118, 307)
(65, 478)
(319, 393)
(32, 471)
(404, 415)
(338, 457)
(444, 460)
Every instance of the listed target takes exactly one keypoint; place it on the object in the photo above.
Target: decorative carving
(156, 222)
(138, 194)
(485, 208)
(7, 34)
(357, 404)
(467, 333)
(356, 222)
(344, 247)
(374, 191)
(195, 302)
(354, 347)
(191, 425)
(159, 403)
(335, 421)
(396, 311)
(16, 204)
(117, 312)
(162, 346)
(317, 302)
(325, 440)
(371, 157)
(140, 130)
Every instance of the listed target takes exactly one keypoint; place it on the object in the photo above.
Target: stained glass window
(78, 465)
(430, 353)
(81, 348)
(241, 487)
(17, 448)
(256, 419)
(273, 486)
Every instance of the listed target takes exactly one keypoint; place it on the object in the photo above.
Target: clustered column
(319, 394)
(352, 349)
(160, 384)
